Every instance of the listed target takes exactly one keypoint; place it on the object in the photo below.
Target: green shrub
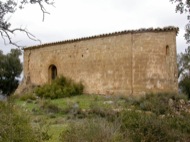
(184, 85)
(157, 117)
(92, 130)
(159, 103)
(180, 123)
(60, 88)
(140, 126)
(15, 125)
(104, 112)
(28, 96)
(47, 107)
(41, 127)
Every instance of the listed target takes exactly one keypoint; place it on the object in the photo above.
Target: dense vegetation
(154, 117)
(184, 71)
(10, 70)
(61, 87)
(15, 125)
(73, 117)
(183, 59)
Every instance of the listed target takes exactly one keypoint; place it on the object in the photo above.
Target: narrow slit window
(167, 50)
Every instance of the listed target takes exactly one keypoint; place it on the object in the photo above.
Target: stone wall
(123, 63)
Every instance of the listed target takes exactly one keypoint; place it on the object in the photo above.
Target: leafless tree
(8, 8)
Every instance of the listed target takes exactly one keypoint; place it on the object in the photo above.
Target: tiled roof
(165, 29)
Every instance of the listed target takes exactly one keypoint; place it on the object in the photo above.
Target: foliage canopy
(10, 70)
(183, 61)
(183, 6)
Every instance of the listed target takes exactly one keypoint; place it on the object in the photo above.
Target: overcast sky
(80, 18)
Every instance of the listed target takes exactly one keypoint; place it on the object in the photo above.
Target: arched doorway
(52, 72)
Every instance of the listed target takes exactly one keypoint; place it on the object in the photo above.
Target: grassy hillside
(58, 112)
(154, 117)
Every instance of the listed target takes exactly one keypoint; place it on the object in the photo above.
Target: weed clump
(157, 117)
(60, 88)
(28, 96)
(47, 107)
(160, 103)
(15, 125)
(92, 130)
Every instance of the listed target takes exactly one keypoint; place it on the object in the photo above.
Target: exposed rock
(170, 102)
(108, 102)
(162, 116)
(181, 101)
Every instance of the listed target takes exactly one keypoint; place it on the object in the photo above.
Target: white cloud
(78, 18)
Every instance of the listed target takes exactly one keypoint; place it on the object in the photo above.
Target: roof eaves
(165, 29)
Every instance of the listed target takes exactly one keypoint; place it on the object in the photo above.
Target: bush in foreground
(155, 117)
(92, 130)
(15, 125)
(28, 96)
(160, 103)
(158, 117)
(139, 126)
(60, 88)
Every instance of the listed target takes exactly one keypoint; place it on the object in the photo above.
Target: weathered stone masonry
(128, 63)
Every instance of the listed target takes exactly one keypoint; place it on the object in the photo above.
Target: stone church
(131, 62)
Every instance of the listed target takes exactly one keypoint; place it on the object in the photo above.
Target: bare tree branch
(9, 7)
(40, 3)
(6, 35)
(183, 6)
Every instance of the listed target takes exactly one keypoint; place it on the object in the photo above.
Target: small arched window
(52, 72)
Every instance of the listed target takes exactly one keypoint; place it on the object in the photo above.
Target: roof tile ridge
(167, 28)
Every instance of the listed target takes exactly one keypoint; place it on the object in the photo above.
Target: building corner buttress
(26, 81)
